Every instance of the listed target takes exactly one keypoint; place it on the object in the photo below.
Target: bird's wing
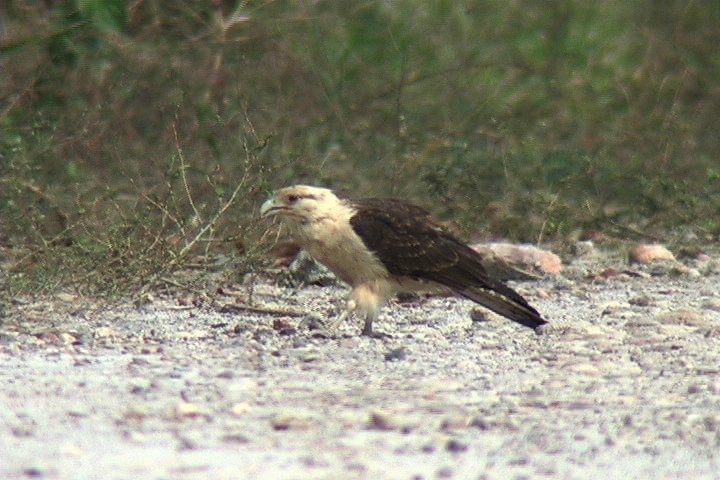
(409, 243)
(404, 238)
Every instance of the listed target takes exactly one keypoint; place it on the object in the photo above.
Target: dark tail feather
(506, 302)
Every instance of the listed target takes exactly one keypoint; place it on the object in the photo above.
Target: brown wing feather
(409, 243)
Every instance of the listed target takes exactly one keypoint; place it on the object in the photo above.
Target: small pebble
(189, 410)
(456, 446)
(240, 409)
(396, 354)
(291, 420)
(235, 438)
(381, 420)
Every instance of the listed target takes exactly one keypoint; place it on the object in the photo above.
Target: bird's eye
(293, 198)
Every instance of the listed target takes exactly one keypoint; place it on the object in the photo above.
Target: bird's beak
(269, 208)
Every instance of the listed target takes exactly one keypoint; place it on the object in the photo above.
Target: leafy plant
(126, 126)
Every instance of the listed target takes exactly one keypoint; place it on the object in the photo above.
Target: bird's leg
(367, 328)
(351, 306)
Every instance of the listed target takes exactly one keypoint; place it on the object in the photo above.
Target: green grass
(126, 130)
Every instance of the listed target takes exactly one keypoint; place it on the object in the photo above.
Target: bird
(383, 246)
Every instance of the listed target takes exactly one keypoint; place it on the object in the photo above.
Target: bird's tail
(505, 301)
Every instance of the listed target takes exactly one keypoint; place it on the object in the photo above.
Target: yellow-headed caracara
(383, 246)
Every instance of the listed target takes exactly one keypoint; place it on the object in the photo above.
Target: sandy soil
(624, 384)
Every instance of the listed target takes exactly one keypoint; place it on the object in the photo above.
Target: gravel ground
(625, 383)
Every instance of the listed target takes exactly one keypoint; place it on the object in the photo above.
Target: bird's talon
(312, 322)
(376, 335)
(324, 333)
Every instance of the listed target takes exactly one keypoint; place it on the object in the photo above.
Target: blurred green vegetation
(126, 126)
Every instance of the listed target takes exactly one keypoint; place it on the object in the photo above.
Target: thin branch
(165, 212)
(545, 221)
(236, 308)
(212, 222)
(183, 167)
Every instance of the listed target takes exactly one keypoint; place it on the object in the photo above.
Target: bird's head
(300, 203)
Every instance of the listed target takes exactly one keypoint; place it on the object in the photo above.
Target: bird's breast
(339, 248)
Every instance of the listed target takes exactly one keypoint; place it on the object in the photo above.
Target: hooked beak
(270, 208)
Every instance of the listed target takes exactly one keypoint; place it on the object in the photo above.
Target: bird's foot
(377, 335)
(312, 321)
(369, 332)
(334, 324)
(321, 327)
(326, 333)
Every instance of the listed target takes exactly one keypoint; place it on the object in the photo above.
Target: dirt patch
(624, 384)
